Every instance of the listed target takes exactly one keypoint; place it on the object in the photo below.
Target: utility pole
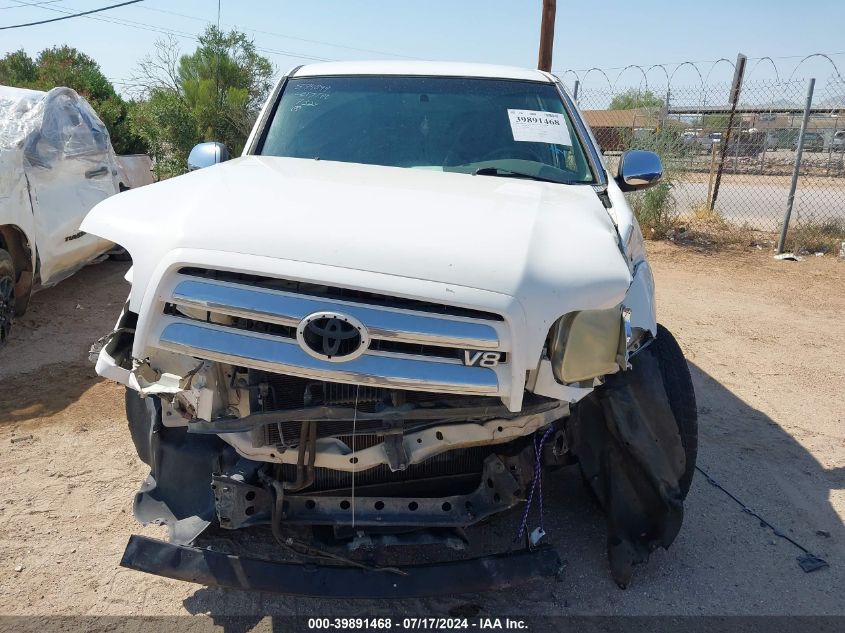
(547, 35)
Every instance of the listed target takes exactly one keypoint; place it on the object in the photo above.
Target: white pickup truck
(56, 163)
(415, 297)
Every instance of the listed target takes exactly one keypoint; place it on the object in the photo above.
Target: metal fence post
(790, 200)
(830, 149)
(712, 174)
(575, 90)
(737, 143)
(736, 87)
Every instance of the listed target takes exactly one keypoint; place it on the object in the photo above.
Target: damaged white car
(56, 163)
(416, 295)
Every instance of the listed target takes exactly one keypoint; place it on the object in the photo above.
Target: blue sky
(609, 34)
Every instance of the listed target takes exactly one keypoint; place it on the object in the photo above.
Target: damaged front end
(239, 401)
(360, 478)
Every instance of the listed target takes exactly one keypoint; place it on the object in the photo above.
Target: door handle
(102, 170)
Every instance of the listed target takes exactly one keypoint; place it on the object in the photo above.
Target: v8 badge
(481, 359)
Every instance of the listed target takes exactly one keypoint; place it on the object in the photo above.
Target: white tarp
(55, 147)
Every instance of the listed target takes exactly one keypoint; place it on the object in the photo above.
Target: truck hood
(534, 241)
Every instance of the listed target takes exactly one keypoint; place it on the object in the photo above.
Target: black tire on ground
(679, 390)
(7, 294)
(678, 384)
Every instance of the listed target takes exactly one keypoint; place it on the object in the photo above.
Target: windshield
(485, 126)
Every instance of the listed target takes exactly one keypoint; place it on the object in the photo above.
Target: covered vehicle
(56, 163)
(415, 296)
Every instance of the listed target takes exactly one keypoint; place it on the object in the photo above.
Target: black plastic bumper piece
(205, 567)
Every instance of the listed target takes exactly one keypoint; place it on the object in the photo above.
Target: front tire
(7, 295)
(678, 384)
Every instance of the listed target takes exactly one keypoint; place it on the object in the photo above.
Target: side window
(67, 129)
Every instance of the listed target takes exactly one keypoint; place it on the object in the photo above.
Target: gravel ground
(765, 341)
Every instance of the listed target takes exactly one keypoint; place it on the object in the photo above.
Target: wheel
(678, 384)
(23, 293)
(7, 295)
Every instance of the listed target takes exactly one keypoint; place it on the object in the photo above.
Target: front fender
(640, 299)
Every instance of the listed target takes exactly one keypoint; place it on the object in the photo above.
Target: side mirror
(638, 169)
(206, 155)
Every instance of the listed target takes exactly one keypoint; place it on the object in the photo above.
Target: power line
(143, 26)
(68, 17)
(281, 35)
(140, 25)
(35, 4)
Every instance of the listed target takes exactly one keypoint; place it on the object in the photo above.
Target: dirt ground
(766, 344)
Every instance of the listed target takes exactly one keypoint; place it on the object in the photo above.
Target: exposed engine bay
(411, 485)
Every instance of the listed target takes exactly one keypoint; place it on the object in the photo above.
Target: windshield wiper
(511, 173)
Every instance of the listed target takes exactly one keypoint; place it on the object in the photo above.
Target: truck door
(71, 167)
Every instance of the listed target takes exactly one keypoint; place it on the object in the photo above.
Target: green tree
(67, 66)
(212, 94)
(634, 98)
(717, 122)
(164, 121)
(18, 69)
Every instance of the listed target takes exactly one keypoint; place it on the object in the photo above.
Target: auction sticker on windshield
(539, 127)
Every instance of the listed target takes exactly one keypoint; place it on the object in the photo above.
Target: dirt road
(766, 343)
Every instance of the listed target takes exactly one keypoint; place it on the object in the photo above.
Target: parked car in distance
(706, 140)
(813, 142)
(689, 137)
(56, 163)
(837, 144)
(415, 296)
(746, 143)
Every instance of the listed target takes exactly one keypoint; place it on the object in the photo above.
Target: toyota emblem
(332, 336)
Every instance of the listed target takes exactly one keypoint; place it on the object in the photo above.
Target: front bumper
(206, 567)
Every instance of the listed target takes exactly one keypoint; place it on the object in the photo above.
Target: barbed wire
(823, 55)
(708, 66)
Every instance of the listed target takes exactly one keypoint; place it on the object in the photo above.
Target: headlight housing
(587, 344)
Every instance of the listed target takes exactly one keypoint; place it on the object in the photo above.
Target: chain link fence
(690, 128)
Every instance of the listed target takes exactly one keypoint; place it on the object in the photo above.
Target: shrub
(655, 210)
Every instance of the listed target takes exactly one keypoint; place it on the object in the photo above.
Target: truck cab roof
(421, 68)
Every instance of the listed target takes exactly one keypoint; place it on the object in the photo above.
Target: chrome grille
(288, 309)
(334, 293)
(252, 325)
